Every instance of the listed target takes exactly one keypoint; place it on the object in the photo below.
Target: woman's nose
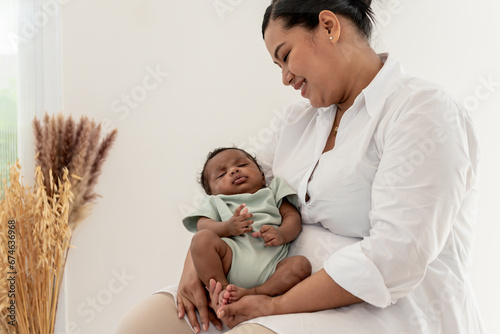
(287, 76)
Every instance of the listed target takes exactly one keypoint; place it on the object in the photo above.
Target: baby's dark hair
(203, 179)
(305, 13)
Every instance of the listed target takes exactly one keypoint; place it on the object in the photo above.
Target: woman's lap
(155, 314)
(158, 314)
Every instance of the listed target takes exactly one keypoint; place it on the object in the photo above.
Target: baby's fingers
(241, 209)
(266, 228)
(245, 226)
(272, 242)
(257, 235)
(245, 223)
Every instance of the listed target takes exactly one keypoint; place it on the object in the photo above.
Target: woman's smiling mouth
(303, 88)
(301, 85)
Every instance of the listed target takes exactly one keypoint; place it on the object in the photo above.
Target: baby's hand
(271, 235)
(239, 223)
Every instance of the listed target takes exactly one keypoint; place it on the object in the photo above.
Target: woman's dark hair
(203, 180)
(305, 13)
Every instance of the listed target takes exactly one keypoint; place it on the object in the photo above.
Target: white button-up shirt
(401, 179)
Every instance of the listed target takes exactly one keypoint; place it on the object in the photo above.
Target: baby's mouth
(239, 179)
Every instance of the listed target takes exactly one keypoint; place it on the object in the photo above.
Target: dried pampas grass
(36, 224)
(61, 144)
(35, 237)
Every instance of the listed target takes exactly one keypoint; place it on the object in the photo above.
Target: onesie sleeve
(207, 208)
(427, 168)
(281, 190)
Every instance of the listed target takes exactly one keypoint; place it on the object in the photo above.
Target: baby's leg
(211, 257)
(288, 273)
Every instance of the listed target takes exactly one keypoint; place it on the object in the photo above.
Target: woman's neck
(364, 69)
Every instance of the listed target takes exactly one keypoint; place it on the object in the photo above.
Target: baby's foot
(224, 297)
(234, 293)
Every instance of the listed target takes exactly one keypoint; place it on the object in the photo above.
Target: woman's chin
(317, 104)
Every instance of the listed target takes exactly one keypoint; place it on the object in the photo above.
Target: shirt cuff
(352, 270)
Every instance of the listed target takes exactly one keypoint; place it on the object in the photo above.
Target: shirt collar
(375, 94)
(382, 85)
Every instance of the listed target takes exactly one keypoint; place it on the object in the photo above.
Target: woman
(384, 160)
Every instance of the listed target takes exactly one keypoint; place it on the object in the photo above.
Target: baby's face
(232, 172)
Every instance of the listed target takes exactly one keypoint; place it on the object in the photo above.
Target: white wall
(222, 88)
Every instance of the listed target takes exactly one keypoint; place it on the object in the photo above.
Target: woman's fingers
(190, 301)
(215, 289)
(180, 307)
(191, 314)
(201, 303)
(231, 314)
(203, 311)
(213, 319)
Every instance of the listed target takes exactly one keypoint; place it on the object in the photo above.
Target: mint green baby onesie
(252, 262)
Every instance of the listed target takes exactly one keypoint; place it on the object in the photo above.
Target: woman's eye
(286, 57)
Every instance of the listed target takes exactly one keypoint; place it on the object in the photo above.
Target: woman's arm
(317, 292)
(191, 296)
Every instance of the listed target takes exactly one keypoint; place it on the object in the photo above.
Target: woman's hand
(271, 235)
(191, 296)
(248, 307)
(214, 290)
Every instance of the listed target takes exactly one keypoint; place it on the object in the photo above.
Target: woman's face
(308, 62)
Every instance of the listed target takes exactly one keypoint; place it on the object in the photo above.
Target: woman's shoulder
(395, 92)
(417, 87)
(418, 95)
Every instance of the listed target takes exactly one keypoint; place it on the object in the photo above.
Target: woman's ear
(329, 22)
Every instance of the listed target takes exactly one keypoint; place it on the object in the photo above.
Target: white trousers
(158, 314)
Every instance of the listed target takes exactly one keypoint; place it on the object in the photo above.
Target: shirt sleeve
(428, 162)
(207, 208)
(281, 190)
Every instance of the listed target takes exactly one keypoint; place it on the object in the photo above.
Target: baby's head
(229, 171)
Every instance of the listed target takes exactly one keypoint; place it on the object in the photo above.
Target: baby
(244, 229)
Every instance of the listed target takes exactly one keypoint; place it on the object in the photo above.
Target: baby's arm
(238, 224)
(291, 225)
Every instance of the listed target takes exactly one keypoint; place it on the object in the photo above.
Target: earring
(331, 37)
